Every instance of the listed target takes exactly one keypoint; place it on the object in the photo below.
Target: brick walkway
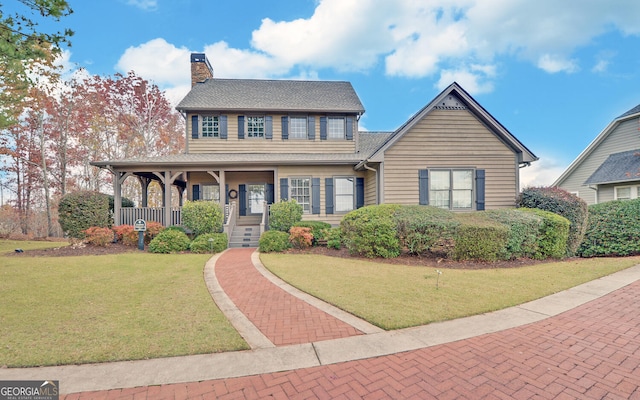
(281, 317)
(591, 352)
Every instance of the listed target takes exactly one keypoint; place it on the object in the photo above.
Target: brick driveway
(590, 352)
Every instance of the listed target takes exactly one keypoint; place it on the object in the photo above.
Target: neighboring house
(253, 142)
(609, 168)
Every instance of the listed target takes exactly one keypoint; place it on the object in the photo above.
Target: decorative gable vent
(451, 102)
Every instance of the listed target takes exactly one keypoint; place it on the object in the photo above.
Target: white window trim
(335, 194)
(634, 191)
(310, 192)
(201, 118)
(344, 127)
(203, 185)
(246, 127)
(306, 127)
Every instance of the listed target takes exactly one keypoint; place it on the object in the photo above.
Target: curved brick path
(281, 317)
(590, 352)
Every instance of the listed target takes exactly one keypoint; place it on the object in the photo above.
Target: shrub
(79, 211)
(201, 244)
(125, 202)
(563, 203)
(153, 229)
(479, 238)
(613, 229)
(126, 235)
(421, 227)
(319, 229)
(371, 231)
(202, 216)
(176, 228)
(300, 237)
(553, 234)
(169, 241)
(284, 214)
(98, 236)
(334, 238)
(523, 232)
(274, 241)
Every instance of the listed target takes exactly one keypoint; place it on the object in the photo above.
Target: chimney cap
(199, 57)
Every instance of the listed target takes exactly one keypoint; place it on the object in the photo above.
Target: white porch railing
(128, 215)
(230, 220)
(264, 224)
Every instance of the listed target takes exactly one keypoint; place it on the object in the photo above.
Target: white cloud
(157, 61)
(476, 79)
(552, 64)
(144, 4)
(541, 173)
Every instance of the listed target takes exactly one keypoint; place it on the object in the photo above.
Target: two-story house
(252, 142)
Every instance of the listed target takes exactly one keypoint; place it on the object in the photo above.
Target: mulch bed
(433, 261)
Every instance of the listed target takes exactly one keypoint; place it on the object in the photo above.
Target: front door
(255, 198)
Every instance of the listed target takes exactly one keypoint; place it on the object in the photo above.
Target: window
(210, 192)
(335, 128)
(627, 192)
(298, 128)
(301, 192)
(255, 127)
(451, 189)
(344, 188)
(210, 126)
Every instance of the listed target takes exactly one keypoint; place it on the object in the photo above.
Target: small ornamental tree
(563, 203)
(202, 217)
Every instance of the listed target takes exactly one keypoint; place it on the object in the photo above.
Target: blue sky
(555, 73)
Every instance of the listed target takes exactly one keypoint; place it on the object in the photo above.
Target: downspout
(377, 183)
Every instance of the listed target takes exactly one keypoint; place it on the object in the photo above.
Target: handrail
(230, 224)
(265, 218)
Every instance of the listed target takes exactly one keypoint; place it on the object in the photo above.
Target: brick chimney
(201, 70)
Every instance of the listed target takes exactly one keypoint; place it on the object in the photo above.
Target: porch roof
(208, 160)
(618, 167)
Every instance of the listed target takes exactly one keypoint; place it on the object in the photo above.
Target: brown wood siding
(624, 137)
(450, 139)
(276, 145)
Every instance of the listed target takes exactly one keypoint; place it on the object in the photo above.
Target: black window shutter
(315, 195)
(349, 129)
(226, 191)
(285, 128)
(311, 128)
(359, 192)
(269, 195)
(328, 195)
(480, 189)
(223, 126)
(284, 189)
(268, 127)
(242, 199)
(323, 128)
(423, 186)
(240, 126)
(196, 193)
(194, 127)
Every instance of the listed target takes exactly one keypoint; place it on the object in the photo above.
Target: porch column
(144, 187)
(167, 198)
(117, 197)
(223, 189)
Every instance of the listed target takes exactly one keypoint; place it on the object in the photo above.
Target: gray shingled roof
(618, 167)
(369, 142)
(634, 110)
(272, 95)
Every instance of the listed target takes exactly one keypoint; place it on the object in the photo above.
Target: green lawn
(67, 310)
(393, 296)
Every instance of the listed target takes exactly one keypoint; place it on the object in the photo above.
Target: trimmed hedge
(371, 231)
(553, 234)
(479, 238)
(79, 211)
(169, 241)
(284, 214)
(563, 203)
(202, 216)
(201, 243)
(613, 229)
(274, 241)
(334, 238)
(522, 241)
(420, 228)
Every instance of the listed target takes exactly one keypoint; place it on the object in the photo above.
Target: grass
(72, 310)
(394, 296)
(11, 245)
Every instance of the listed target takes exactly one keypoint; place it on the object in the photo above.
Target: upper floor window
(298, 128)
(210, 126)
(301, 192)
(336, 128)
(451, 188)
(255, 127)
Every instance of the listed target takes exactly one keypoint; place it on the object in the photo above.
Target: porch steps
(245, 236)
